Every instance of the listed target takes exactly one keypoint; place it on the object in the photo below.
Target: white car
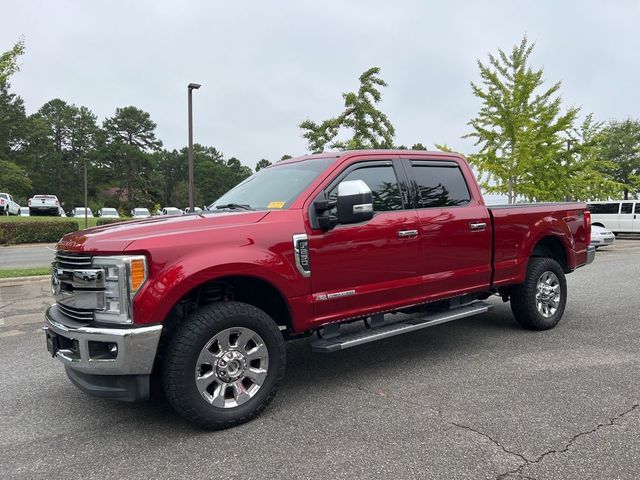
(108, 213)
(140, 212)
(24, 211)
(172, 211)
(601, 237)
(7, 205)
(78, 212)
(44, 205)
(195, 210)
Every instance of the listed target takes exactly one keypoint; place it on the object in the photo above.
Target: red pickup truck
(202, 304)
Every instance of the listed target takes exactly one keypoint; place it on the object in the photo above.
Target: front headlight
(123, 277)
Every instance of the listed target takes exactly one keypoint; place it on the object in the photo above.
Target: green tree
(130, 140)
(12, 122)
(15, 180)
(12, 113)
(586, 174)
(368, 126)
(520, 128)
(134, 127)
(621, 147)
(264, 163)
(60, 138)
(9, 61)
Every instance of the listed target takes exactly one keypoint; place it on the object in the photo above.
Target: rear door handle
(407, 233)
(477, 226)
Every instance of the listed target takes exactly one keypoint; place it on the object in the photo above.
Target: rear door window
(439, 186)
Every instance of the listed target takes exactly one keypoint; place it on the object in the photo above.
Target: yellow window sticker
(276, 204)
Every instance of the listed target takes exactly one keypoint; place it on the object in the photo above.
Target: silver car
(140, 212)
(108, 213)
(78, 212)
(601, 237)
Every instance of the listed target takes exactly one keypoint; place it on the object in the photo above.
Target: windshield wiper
(237, 206)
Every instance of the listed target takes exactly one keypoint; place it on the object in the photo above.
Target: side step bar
(360, 337)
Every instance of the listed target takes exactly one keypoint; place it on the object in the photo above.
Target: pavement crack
(443, 419)
(569, 444)
(489, 437)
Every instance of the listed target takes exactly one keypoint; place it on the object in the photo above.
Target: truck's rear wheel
(224, 365)
(539, 302)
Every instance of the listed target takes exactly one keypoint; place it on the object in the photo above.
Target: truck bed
(518, 228)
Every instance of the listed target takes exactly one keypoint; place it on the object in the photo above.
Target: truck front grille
(73, 278)
(72, 260)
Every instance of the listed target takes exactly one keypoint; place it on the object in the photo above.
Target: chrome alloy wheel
(232, 367)
(548, 294)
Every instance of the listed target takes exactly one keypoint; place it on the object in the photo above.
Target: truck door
(625, 218)
(455, 229)
(636, 218)
(373, 265)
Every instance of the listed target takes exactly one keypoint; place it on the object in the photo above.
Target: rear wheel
(224, 365)
(539, 302)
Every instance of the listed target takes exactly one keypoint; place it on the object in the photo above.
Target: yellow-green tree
(520, 129)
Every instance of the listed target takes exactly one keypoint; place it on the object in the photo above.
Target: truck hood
(115, 238)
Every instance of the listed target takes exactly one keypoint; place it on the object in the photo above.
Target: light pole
(190, 88)
(86, 221)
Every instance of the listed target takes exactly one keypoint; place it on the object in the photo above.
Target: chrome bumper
(591, 254)
(103, 351)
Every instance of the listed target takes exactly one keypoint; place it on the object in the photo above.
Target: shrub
(35, 232)
(107, 221)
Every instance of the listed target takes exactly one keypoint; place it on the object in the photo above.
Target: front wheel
(538, 303)
(224, 365)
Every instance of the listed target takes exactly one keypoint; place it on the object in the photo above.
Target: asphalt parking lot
(480, 398)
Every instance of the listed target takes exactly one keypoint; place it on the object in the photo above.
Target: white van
(620, 216)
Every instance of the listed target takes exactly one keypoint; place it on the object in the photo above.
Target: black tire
(524, 304)
(181, 357)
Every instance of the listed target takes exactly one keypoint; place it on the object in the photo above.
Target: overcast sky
(266, 65)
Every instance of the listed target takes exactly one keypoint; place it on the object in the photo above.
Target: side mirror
(355, 202)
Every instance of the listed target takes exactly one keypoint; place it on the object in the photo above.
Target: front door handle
(477, 226)
(407, 233)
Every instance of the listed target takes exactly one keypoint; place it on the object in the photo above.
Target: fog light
(103, 351)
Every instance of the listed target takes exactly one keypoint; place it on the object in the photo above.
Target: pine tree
(369, 127)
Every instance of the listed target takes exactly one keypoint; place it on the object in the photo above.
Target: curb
(29, 245)
(12, 282)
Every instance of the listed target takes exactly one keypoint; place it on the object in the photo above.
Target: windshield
(172, 211)
(141, 211)
(275, 187)
(109, 211)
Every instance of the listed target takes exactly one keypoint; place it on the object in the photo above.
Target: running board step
(353, 339)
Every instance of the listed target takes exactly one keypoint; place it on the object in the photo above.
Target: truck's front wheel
(224, 365)
(539, 302)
